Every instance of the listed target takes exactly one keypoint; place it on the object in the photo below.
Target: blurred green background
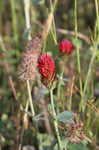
(13, 39)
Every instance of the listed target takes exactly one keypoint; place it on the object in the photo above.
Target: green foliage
(45, 141)
(64, 144)
(65, 117)
(80, 146)
(77, 42)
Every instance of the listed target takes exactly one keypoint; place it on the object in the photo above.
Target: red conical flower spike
(66, 47)
(46, 67)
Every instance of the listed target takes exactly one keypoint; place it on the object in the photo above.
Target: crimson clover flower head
(66, 47)
(46, 68)
(46, 65)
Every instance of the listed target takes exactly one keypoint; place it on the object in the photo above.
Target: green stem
(97, 21)
(71, 91)
(22, 131)
(30, 98)
(27, 16)
(87, 80)
(75, 16)
(55, 121)
(60, 83)
(53, 30)
(14, 19)
(97, 14)
(78, 53)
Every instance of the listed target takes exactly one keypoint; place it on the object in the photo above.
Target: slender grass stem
(28, 25)
(27, 105)
(27, 16)
(75, 16)
(71, 92)
(78, 50)
(60, 83)
(89, 72)
(14, 19)
(22, 132)
(93, 56)
(97, 14)
(55, 121)
(53, 31)
(87, 79)
(30, 98)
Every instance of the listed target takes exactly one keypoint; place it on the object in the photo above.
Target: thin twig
(79, 35)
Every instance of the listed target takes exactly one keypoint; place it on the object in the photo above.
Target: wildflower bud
(66, 47)
(46, 67)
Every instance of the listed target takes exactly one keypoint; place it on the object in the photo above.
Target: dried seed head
(27, 69)
(35, 44)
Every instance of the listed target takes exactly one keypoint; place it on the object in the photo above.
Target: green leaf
(45, 141)
(26, 33)
(64, 144)
(77, 43)
(65, 117)
(79, 146)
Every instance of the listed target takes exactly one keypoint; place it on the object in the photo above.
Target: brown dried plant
(27, 68)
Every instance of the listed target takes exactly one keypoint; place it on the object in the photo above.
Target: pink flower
(66, 47)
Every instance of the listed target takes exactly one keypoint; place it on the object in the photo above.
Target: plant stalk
(30, 98)
(78, 53)
(14, 20)
(55, 121)
(28, 25)
(87, 79)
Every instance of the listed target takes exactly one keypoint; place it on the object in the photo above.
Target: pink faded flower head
(46, 65)
(66, 47)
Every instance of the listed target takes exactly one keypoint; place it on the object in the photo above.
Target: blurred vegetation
(13, 39)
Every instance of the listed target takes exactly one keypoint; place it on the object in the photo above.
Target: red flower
(46, 65)
(66, 47)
